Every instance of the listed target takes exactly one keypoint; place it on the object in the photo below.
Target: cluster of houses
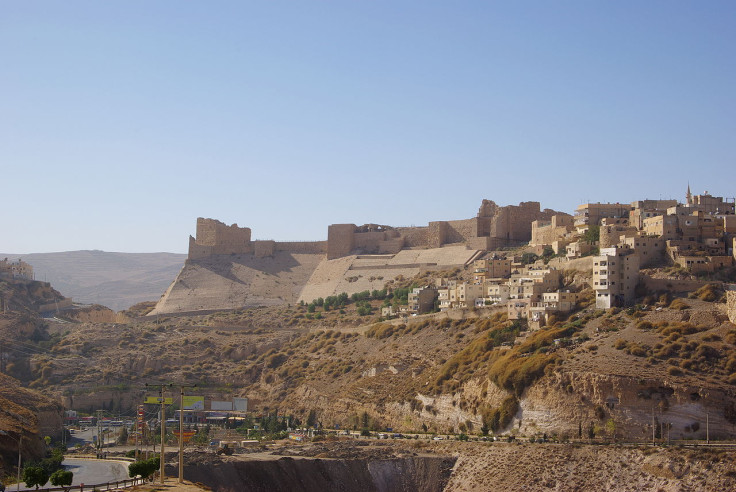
(16, 269)
(699, 236)
(529, 291)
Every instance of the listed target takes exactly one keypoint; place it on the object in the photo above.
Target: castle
(491, 228)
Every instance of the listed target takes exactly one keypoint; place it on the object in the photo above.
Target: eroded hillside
(601, 373)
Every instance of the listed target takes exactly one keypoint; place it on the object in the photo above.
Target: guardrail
(117, 485)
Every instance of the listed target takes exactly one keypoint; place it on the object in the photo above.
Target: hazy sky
(122, 122)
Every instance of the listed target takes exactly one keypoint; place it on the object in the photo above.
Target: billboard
(193, 403)
(221, 405)
(240, 404)
(156, 400)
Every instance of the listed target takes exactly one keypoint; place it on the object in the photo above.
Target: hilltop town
(617, 322)
(518, 254)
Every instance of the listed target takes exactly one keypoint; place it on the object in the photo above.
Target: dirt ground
(170, 485)
(533, 466)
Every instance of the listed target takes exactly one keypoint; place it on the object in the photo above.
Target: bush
(679, 304)
(35, 476)
(144, 468)
(62, 478)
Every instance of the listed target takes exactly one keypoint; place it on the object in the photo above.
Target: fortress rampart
(493, 227)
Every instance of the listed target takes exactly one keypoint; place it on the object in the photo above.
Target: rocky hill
(115, 280)
(246, 280)
(608, 374)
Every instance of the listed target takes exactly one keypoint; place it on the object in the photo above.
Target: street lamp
(19, 441)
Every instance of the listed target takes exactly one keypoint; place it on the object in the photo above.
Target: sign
(156, 400)
(240, 404)
(188, 434)
(222, 405)
(193, 403)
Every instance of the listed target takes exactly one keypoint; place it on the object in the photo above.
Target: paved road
(91, 471)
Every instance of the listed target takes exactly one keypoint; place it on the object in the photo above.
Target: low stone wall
(673, 285)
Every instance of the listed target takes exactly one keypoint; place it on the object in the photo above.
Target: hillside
(246, 280)
(605, 373)
(115, 280)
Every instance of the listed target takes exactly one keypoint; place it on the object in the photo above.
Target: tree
(611, 428)
(528, 258)
(123, 437)
(62, 478)
(311, 418)
(593, 234)
(35, 476)
(144, 468)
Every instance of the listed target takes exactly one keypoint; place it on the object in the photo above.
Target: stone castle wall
(302, 247)
(493, 227)
(545, 233)
(414, 237)
(216, 238)
(340, 240)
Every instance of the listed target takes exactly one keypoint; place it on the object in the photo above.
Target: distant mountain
(115, 280)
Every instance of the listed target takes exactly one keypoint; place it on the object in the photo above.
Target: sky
(121, 122)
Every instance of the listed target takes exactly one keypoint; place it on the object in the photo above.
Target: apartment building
(421, 299)
(491, 268)
(615, 275)
(589, 214)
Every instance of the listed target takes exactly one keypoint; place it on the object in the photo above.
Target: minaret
(689, 196)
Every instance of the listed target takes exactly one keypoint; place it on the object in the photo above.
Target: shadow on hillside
(223, 265)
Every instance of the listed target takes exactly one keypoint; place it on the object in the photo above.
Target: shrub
(144, 468)
(679, 304)
(644, 325)
(674, 371)
(35, 476)
(62, 478)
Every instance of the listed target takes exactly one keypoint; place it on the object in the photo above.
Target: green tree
(592, 234)
(123, 437)
(611, 428)
(311, 418)
(35, 476)
(62, 478)
(144, 468)
(528, 258)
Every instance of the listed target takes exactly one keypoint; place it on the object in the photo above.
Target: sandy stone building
(615, 275)
(545, 232)
(589, 214)
(16, 269)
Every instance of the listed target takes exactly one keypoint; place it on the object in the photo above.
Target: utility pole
(163, 435)
(2, 357)
(162, 399)
(181, 432)
(707, 428)
(653, 434)
(99, 432)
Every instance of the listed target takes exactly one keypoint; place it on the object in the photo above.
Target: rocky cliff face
(420, 474)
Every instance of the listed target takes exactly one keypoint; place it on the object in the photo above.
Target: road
(91, 471)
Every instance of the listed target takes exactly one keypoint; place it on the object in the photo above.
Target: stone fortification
(546, 232)
(227, 269)
(493, 227)
(215, 238)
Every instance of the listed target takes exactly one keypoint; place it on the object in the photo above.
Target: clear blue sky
(122, 122)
